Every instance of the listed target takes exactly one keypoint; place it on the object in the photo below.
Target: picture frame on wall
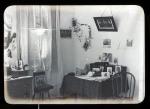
(129, 42)
(105, 23)
(116, 61)
(107, 43)
(65, 33)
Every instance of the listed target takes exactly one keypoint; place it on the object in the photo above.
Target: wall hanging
(107, 43)
(78, 30)
(65, 33)
(129, 43)
(105, 23)
(116, 61)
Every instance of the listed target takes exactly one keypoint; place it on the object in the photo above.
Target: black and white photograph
(65, 33)
(117, 69)
(129, 43)
(107, 43)
(107, 57)
(109, 69)
(58, 54)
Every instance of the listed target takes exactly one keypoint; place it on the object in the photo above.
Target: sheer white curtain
(35, 36)
(22, 33)
(59, 59)
(48, 43)
(57, 74)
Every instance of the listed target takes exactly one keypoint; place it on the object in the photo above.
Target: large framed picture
(105, 23)
(109, 69)
(129, 43)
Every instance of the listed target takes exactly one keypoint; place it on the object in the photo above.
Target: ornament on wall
(105, 23)
(129, 43)
(107, 57)
(86, 44)
(100, 58)
(116, 61)
(107, 43)
(78, 30)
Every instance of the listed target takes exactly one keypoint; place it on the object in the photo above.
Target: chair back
(129, 85)
(123, 85)
(117, 85)
(39, 78)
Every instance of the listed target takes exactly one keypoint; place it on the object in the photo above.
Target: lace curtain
(39, 33)
(34, 31)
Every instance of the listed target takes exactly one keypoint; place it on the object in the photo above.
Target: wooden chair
(40, 85)
(123, 85)
(116, 85)
(131, 82)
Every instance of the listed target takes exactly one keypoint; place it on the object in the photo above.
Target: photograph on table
(129, 43)
(109, 69)
(117, 69)
(107, 57)
(105, 74)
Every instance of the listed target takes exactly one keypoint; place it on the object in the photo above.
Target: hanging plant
(76, 26)
(86, 44)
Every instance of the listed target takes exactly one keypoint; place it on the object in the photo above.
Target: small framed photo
(117, 69)
(116, 61)
(107, 57)
(107, 43)
(105, 74)
(109, 69)
(129, 43)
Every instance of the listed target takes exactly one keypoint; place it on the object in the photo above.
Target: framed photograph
(109, 69)
(117, 69)
(65, 33)
(101, 68)
(107, 43)
(105, 23)
(105, 74)
(129, 43)
(107, 57)
(116, 61)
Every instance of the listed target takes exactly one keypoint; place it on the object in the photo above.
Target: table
(20, 87)
(79, 87)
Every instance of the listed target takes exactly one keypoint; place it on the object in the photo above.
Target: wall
(129, 21)
(67, 44)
